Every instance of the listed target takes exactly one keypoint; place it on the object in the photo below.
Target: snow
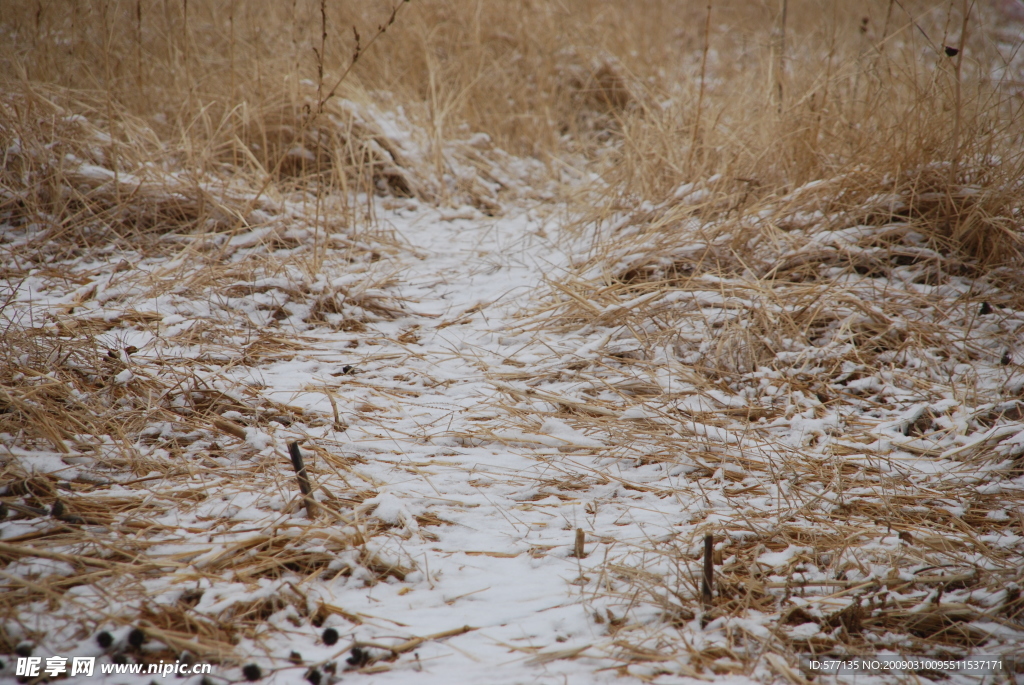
(427, 434)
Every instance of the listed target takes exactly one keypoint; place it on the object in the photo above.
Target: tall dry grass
(239, 87)
(729, 90)
(878, 94)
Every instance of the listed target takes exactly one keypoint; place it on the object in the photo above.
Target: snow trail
(502, 561)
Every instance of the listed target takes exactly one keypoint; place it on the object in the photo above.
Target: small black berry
(1005, 361)
(359, 658)
(330, 637)
(985, 310)
(951, 52)
(252, 673)
(136, 638)
(105, 639)
(119, 658)
(314, 676)
(295, 658)
(24, 649)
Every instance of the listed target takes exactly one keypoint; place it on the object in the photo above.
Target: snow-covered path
(502, 561)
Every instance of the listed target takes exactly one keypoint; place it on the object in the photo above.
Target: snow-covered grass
(837, 401)
(544, 299)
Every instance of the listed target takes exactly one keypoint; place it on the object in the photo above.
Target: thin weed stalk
(703, 77)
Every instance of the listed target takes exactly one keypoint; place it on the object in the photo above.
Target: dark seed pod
(105, 639)
(119, 658)
(951, 52)
(314, 676)
(330, 637)
(359, 658)
(1005, 361)
(136, 638)
(252, 673)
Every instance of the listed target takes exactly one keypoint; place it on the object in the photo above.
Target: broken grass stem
(707, 583)
(578, 549)
(300, 475)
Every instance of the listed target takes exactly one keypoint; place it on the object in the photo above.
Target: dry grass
(122, 213)
(801, 239)
(805, 295)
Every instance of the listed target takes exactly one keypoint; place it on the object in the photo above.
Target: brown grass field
(810, 212)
